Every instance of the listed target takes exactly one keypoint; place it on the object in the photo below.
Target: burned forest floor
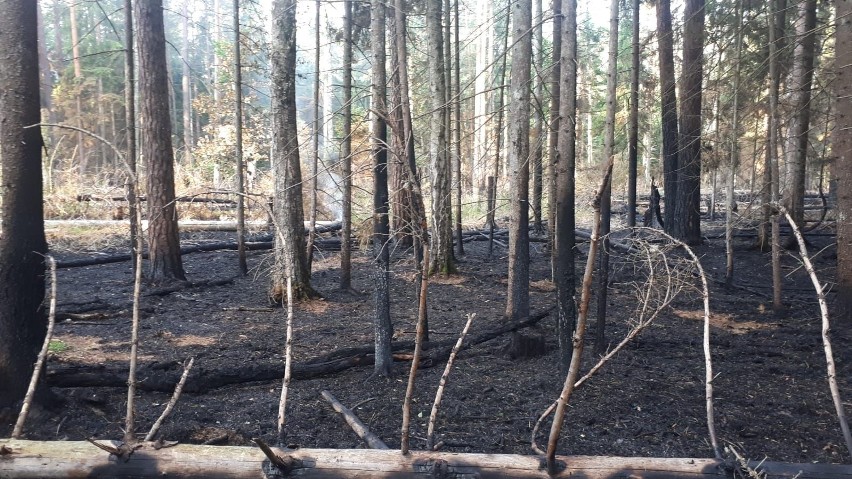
(771, 394)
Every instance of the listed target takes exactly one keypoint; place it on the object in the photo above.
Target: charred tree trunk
(290, 253)
(687, 220)
(553, 138)
(22, 244)
(843, 153)
(164, 261)
(668, 108)
(238, 146)
(518, 297)
(633, 121)
(346, 153)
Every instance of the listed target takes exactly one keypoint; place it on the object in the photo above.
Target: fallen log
(62, 459)
(162, 377)
(354, 422)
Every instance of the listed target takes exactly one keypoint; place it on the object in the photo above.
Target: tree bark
(290, 253)
(553, 138)
(565, 219)
(842, 150)
(66, 458)
(441, 249)
(518, 297)
(687, 220)
(799, 98)
(537, 135)
(132, 181)
(186, 88)
(668, 109)
(164, 262)
(346, 153)
(22, 244)
(238, 144)
(633, 120)
(383, 328)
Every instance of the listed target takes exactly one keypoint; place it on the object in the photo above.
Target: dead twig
(42, 355)
(418, 348)
(826, 330)
(430, 434)
(288, 362)
(171, 405)
(357, 426)
(580, 331)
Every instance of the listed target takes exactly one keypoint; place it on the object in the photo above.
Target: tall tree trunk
(238, 143)
(668, 110)
(735, 153)
(842, 149)
(132, 182)
(401, 203)
(381, 226)
(537, 136)
(457, 132)
(479, 162)
(45, 75)
(186, 89)
(606, 193)
(346, 153)
(441, 250)
(776, 32)
(553, 138)
(22, 244)
(290, 257)
(633, 121)
(163, 242)
(799, 98)
(217, 37)
(565, 219)
(518, 298)
(82, 155)
(687, 221)
(317, 127)
(499, 84)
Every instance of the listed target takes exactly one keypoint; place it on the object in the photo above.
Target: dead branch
(418, 349)
(42, 355)
(288, 362)
(430, 434)
(171, 405)
(580, 331)
(357, 426)
(826, 330)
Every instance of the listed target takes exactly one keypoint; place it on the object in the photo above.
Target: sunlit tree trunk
(606, 193)
(799, 98)
(441, 250)
(687, 221)
(164, 258)
(290, 253)
(22, 244)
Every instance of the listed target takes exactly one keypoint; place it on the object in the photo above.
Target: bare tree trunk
(238, 147)
(633, 121)
(799, 98)
(290, 260)
(842, 149)
(441, 250)
(381, 227)
(131, 183)
(553, 138)
(668, 97)
(346, 153)
(78, 81)
(565, 219)
(606, 192)
(735, 153)
(537, 134)
(186, 89)
(457, 132)
(317, 126)
(164, 260)
(775, 26)
(22, 244)
(217, 35)
(687, 221)
(518, 297)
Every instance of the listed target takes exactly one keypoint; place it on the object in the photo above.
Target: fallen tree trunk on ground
(61, 459)
(164, 376)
